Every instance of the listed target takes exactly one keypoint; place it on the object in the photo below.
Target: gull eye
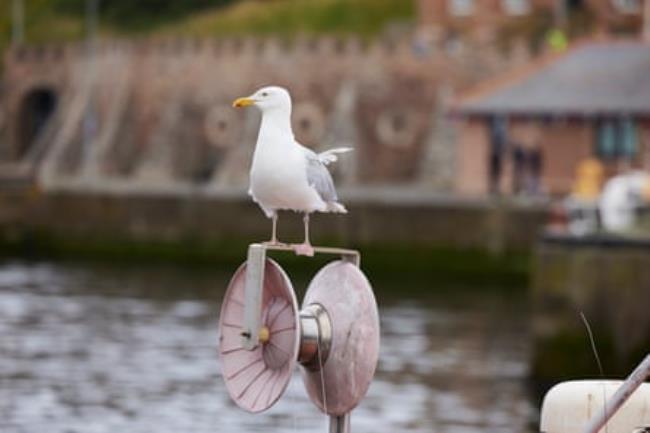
(265, 94)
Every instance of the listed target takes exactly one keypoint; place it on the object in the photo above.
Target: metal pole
(254, 286)
(340, 424)
(90, 116)
(92, 7)
(621, 395)
(560, 14)
(18, 19)
(646, 21)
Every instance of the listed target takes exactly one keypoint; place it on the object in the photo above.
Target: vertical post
(621, 395)
(340, 424)
(90, 121)
(254, 286)
(646, 21)
(18, 18)
(560, 14)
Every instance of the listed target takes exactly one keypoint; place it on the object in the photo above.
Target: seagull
(285, 175)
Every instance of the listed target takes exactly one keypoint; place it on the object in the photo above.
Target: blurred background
(499, 186)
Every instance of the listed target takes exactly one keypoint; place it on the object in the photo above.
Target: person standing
(498, 144)
(535, 165)
(519, 172)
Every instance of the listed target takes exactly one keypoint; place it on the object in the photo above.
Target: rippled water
(105, 349)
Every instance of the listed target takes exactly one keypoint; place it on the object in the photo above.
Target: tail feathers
(330, 156)
(335, 207)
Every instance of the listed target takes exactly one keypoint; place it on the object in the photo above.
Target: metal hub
(315, 336)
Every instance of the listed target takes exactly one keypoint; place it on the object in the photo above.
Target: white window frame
(461, 8)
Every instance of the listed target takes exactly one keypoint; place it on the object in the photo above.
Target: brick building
(593, 101)
(608, 15)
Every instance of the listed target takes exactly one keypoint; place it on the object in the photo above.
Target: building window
(616, 139)
(627, 6)
(516, 7)
(461, 7)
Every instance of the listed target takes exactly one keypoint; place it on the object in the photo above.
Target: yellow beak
(242, 102)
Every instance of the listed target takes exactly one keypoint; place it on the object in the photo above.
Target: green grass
(45, 22)
(42, 24)
(291, 17)
(140, 15)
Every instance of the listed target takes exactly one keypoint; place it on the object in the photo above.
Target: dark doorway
(575, 5)
(37, 108)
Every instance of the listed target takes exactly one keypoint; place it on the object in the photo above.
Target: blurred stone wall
(197, 220)
(609, 282)
(157, 114)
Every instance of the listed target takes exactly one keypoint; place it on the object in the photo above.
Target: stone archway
(35, 110)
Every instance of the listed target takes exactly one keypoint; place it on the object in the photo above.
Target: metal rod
(646, 21)
(621, 395)
(18, 19)
(340, 424)
(560, 14)
(253, 295)
(92, 8)
(90, 119)
(345, 253)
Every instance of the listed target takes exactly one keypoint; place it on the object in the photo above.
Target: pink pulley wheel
(350, 348)
(255, 379)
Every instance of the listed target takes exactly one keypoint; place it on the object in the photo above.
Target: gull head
(267, 99)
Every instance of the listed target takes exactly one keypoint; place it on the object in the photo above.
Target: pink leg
(305, 249)
(274, 231)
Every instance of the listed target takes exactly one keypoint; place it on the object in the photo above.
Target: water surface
(106, 349)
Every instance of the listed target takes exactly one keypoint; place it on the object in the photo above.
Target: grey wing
(319, 177)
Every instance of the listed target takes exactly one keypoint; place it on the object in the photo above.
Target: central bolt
(264, 335)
